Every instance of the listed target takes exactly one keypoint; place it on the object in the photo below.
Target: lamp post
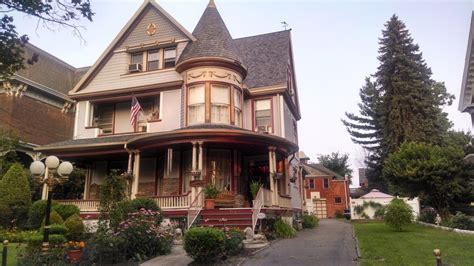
(37, 168)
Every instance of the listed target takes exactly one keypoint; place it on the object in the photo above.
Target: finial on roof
(211, 3)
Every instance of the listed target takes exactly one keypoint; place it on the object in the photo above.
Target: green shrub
(428, 215)
(379, 213)
(36, 213)
(33, 257)
(6, 216)
(16, 236)
(462, 221)
(211, 191)
(284, 230)
(75, 225)
(204, 244)
(233, 242)
(35, 241)
(398, 214)
(122, 209)
(55, 218)
(15, 194)
(144, 238)
(106, 248)
(310, 221)
(56, 229)
(66, 211)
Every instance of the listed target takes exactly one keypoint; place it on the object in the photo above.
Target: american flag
(134, 110)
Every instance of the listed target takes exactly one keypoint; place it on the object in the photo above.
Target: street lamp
(37, 169)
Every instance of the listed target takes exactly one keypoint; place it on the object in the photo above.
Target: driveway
(331, 243)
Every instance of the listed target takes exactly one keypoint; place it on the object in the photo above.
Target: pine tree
(403, 103)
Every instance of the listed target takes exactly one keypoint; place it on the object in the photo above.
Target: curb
(357, 243)
(459, 231)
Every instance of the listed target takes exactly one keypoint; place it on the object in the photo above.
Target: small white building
(375, 198)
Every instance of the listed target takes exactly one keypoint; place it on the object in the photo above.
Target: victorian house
(214, 110)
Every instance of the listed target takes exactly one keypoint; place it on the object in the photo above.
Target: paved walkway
(177, 257)
(331, 243)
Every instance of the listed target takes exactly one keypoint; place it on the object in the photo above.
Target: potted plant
(210, 192)
(74, 250)
(254, 188)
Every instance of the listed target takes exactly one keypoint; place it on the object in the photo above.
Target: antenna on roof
(284, 24)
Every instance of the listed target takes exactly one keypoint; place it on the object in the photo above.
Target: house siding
(337, 188)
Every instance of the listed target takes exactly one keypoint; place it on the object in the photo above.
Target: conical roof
(213, 38)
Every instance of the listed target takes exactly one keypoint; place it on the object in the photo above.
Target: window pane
(196, 95)
(237, 99)
(238, 117)
(152, 65)
(263, 105)
(170, 53)
(196, 114)
(220, 94)
(137, 58)
(153, 55)
(220, 114)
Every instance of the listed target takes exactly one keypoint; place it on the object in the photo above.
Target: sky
(335, 46)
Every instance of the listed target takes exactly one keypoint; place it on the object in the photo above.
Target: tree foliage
(49, 13)
(336, 162)
(8, 143)
(436, 174)
(403, 103)
(15, 194)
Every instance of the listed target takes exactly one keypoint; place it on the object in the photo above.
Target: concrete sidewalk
(177, 257)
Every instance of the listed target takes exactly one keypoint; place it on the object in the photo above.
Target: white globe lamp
(52, 162)
(37, 168)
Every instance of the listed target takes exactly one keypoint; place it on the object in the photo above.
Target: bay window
(263, 115)
(196, 104)
(220, 104)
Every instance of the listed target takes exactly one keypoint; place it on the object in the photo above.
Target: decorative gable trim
(121, 35)
(465, 104)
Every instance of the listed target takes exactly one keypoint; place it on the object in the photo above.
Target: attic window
(169, 57)
(153, 59)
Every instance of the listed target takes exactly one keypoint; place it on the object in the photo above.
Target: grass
(13, 250)
(381, 245)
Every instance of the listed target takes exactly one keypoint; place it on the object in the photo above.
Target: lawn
(381, 245)
(12, 254)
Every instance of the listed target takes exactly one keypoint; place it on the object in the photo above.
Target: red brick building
(326, 193)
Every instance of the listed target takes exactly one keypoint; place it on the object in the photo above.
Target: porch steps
(240, 218)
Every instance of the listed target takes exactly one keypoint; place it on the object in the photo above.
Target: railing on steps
(181, 201)
(257, 206)
(195, 208)
(83, 205)
(267, 197)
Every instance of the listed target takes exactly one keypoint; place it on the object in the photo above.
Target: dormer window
(151, 60)
(169, 57)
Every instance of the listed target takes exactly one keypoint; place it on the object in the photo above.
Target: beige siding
(170, 109)
(289, 129)
(247, 114)
(276, 116)
(122, 118)
(114, 75)
(81, 122)
(165, 30)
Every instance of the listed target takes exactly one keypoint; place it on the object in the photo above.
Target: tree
(8, 144)
(433, 173)
(398, 214)
(403, 103)
(338, 163)
(49, 13)
(15, 194)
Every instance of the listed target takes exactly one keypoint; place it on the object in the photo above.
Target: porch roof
(207, 133)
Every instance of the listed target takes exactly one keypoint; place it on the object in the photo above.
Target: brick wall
(34, 121)
(337, 188)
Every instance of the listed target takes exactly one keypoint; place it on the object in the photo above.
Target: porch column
(276, 192)
(44, 193)
(194, 159)
(87, 182)
(200, 163)
(272, 173)
(136, 175)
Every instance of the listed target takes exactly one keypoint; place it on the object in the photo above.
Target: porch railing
(83, 205)
(257, 206)
(195, 208)
(181, 201)
(267, 197)
(284, 201)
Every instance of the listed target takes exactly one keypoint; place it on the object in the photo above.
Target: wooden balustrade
(83, 205)
(165, 202)
(284, 201)
(257, 206)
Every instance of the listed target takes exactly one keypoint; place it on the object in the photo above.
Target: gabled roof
(376, 194)
(316, 170)
(146, 4)
(266, 57)
(467, 85)
(213, 38)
